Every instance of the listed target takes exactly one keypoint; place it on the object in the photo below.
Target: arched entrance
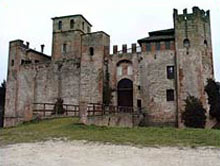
(125, 93)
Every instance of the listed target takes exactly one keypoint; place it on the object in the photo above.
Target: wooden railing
(47, 109)
(93, 109)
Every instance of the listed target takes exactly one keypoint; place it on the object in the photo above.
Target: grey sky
(125, 21)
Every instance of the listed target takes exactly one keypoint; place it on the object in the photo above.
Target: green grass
(144, 136)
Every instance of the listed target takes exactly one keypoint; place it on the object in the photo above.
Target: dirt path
(79, 153)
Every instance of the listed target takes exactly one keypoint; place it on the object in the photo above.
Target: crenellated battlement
(196, 13)
(125, 49)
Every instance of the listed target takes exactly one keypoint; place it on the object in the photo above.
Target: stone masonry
(155, 76)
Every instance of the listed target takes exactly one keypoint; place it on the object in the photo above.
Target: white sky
(125, 21)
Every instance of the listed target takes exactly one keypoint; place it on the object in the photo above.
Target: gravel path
(80, 153)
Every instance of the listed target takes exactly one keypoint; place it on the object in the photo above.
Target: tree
(194, 114)
(2, 93)
(212, 90)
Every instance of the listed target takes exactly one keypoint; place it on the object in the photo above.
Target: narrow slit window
(170, 72)
(60, 25)
(64, 48)
(12, 62)
(91, 51)
(83, 25)
(170, 95)
(72, 24)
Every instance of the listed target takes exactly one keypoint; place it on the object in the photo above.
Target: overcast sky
(125, 21)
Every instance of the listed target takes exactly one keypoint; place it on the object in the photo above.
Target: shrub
(212, 90)
(194, 114)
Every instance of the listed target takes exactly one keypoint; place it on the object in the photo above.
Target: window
(139, 105)
(36, 61)
(130, 70)
(206, 43)
(91, 51)
(157, 46)
(119, 70)
(72, 24)
(139, 87)
(12, 62)
(186, 43)
(64, 49)
(148, 47)
(170, 95)
(83, 25)
(22, 61)
(170, 72)
(60, 25)
(167, 45)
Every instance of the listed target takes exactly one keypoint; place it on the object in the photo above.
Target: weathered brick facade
(166, 67)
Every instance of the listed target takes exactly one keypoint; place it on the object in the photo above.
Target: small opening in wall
(91, 51)
(139, 87)
(60, 25)
(83, 25)
(64, 48)
(170, 95)
(139, 104)
(155, 56)
(12, 62)
(170, 72)
(186, 43)
(206, 43)
(36, 61)
(71, 24)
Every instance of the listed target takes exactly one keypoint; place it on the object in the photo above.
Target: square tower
(67, 31)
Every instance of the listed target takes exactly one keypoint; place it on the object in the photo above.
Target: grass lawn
(144, 136)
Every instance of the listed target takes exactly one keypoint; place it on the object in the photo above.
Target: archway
(125, 93)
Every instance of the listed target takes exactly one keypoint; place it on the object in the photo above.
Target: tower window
(170, 72)
(170, 95)
(157, 46)
(148, 47)
(186, 43)
(206, 43)
(91, 51)
(60, 25)
(139, 105)
(72, 24)
(12, 62)
(64, 49)
(83, 25)
(167, 45)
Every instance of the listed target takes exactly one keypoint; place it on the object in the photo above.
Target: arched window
(91, 51)
(60, 25)
(72, 24)
(186, 43)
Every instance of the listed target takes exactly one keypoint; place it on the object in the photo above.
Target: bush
(212, 90)
(194, 114)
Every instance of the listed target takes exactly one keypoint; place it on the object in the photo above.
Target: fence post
(44, 110)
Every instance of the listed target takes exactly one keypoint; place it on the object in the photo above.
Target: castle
(155, 76)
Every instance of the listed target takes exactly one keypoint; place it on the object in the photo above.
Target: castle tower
(67, 33)
(194, 63)
(95, 47)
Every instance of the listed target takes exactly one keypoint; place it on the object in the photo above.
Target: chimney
(27, 44)
(42, 48)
